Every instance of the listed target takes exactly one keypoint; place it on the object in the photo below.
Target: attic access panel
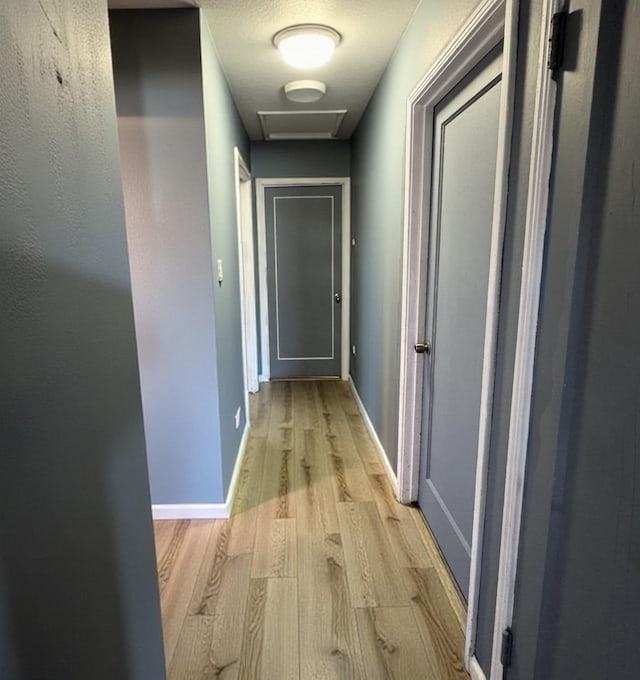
(279, 125)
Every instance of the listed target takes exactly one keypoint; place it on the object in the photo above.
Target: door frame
(540, 167)
(246, 262)
(262, 184)
(491, 22)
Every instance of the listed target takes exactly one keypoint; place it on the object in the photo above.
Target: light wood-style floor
(320, 573)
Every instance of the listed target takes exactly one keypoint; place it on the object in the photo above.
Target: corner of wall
(224, 131)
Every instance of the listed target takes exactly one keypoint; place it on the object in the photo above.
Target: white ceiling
(243, 31)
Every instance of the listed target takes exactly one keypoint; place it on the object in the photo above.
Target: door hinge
(507, 647)
(556, 41)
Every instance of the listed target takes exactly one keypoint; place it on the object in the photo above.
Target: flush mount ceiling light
(307, 45)
(305, 91)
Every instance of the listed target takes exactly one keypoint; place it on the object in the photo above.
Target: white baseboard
(190, 511)
(475, 671)
(384, 459)
(233, 487)
(207, 510)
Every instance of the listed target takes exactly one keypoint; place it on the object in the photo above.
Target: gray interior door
(462, 197)
(304, 279)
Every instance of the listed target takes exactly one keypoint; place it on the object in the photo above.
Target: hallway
(320, 573)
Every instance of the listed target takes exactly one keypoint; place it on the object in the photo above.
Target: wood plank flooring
(320, 574)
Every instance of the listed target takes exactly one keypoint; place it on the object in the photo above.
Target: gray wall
(78, 588)
(224, 131)
(377, 210)
(578, 589)
(177, 129)
(301, 159)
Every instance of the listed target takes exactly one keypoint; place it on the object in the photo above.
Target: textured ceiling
(243, 32)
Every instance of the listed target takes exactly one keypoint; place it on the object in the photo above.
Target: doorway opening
(494, 22)
(315, 287)
(244, 212)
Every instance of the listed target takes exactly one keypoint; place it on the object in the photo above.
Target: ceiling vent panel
(279, 125)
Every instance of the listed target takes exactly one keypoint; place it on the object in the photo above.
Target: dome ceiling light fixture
(305, 91)
(307, 46)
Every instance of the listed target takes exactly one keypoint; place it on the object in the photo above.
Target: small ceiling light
(305, 91)
(307, 46)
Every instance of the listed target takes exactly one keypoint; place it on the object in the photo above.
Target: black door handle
(338, 298)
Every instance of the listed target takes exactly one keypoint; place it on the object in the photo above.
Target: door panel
(304, 234)
(462, 197)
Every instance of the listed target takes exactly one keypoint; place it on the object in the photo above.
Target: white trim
(509, 56)
(261, 185)
(265, 375)
(244, 217)
(207, 510)
(384, 459)
(237, 469)
(532, 262)
(346, 278)
(475, 670)
(190, 511)
(492, 21)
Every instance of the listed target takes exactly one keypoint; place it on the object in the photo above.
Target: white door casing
(532, 262)
(261, 185)
(246, 258)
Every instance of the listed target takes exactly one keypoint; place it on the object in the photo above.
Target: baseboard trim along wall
(475, 671)
(235, 478)
(190, 511)
(384, 459)
(207, 510)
